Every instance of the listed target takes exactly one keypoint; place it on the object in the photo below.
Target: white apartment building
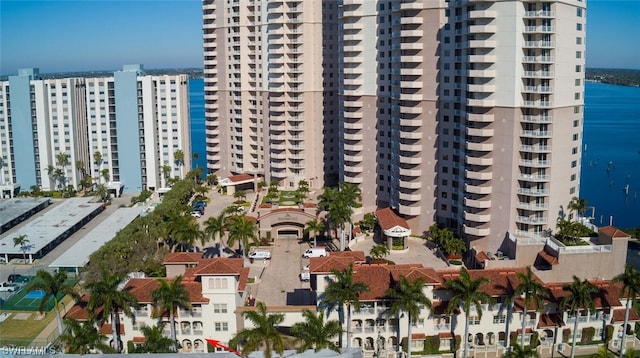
(135, 121)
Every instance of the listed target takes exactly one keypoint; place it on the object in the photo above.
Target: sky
(92, 35)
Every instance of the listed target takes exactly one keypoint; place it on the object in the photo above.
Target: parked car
(7, 287)
(196, 214)
(261, 255)
(305, 275)
(315, 252)
(14, 277)
(200, 203)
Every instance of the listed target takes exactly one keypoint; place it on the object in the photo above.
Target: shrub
(566, 333)
(535, 340)
(587, 335)
(608, 333)
(432, 345)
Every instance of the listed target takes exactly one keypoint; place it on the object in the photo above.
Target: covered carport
(237, 182)
(393, 227)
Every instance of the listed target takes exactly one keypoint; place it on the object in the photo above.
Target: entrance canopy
(236, 180)
(391, 224)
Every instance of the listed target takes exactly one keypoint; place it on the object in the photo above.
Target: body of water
(610, 178)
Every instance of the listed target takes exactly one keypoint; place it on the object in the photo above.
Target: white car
(7, 287)
(195, 214)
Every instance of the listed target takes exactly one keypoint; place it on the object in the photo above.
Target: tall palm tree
(407, 297)
(53, 286)
(59, 176)
(214, 227)
(466, 293)
(630, 280)
(314, 227)
(578, 205)
(265, 332)
(51, 170)
(579, 298)
(518, 351)
(62, 159)
(168, 298)
(186, 232)
(534, 291)
(178, 157)
(603, 352)
(83, 338)
(303, 188)
(104, 293)
(243, 231)
(155, 341)
(166, 171)
(240, 195)
(195, 157)
(315, 333)
(23, 242)
(97, 157)
(341, 291)
(105, 174)
(379, 252)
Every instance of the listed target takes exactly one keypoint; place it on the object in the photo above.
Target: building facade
(475, 110)
(51, 130)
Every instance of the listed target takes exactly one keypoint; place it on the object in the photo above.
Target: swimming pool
(35, 294)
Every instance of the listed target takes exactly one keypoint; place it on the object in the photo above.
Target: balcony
(536, 134)
(535, 163)
(537, 119)
(474, 189)
(531, 220)
(484, 161)
(532, 206)
(480, 132)
(482, 14)
(539, 44)
(410, 196)
(482, 73)
(533, 192)
(534, 178)
(537, 89)
(483, 118)
(478, 204)
(411, 147)
(478, 175)
(481, 147)
(476, 231)
(539, 29)
(538, 59)
(535, 148)
(538, 74)
(481, 218)
(410, 172)
(539, 13)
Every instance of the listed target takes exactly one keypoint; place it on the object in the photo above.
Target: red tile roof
(550, 259)
(377, 277)
(79, 311)
(550, 320)
(326, 264)
(418, 336)
(618, 315)
(310, 205)
(388, 219)
(613, 232)
(413, 272)
(355, 255)
(608, 296)
(106, 329)
(182, 258)
(445, 335)
(219, 266)
(482, 256)
(138, 339)
(240, 177)
(141, 289)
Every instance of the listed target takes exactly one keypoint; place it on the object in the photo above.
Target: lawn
(285, 198)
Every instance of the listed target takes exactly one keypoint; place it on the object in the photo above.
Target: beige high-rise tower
(462, 112)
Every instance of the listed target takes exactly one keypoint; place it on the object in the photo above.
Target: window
(574, 163)
(572, 190)
(499, 319)
(576, 123)
(576, 96)
(219, 308)
(578, 68)
(575, 137)
(578, 40)
(578, 54)
(579, 26)
(474, 320)
(574, 150)
(578, 82)
(573, 177)
(579, 12)
(576, 109)
(221, 326)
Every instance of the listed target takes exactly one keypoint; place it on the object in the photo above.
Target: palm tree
(186, 232)
(62, 159)
(630, 280)
(533, 291)
(315, 333)
(178, 157)
(579, 297)
(51, 170)
(341, 291)
(166, 171)
(240, 195)
(155, 341)
(265, 332)
(105, 174)
(243, 231)
(58, 176)
(303, 188)
(467, 293)
(105, 293)
(195, 157)
(53, 286)
(212, 179)
(214, 227)
(578, 205)
(83, 338)
(603, 352)
(407, 297)
(23, 242)
(314, 226)
(379, 252)
(97, 157)
(518, 351)
(168, 298)
(102, 192)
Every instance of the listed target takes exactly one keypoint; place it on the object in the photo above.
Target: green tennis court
(29, 300)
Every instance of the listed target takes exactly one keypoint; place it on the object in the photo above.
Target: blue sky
(61, 35)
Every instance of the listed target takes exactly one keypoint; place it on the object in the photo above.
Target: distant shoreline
(619, 77)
